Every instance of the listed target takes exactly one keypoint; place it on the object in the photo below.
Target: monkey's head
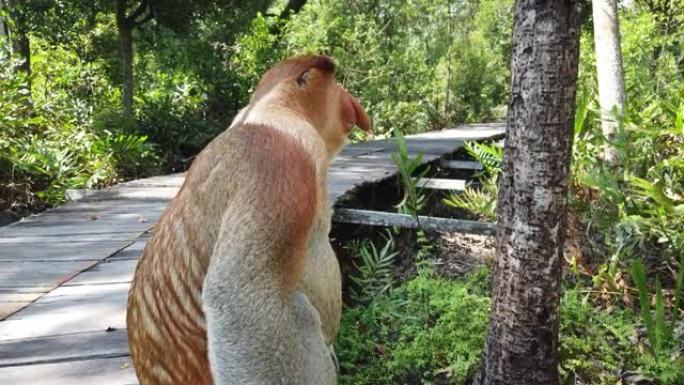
(306, 85)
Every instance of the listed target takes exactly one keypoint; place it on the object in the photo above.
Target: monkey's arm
(260, 331)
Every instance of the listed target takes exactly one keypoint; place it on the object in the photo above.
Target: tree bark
(126, 39)
(611, 80)
(522, 345)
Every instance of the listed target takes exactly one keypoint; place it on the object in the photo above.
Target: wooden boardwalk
(64, 274)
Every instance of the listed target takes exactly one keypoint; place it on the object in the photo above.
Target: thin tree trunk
(611, 80)
(21, 45)
(522, 345)
(125, 28)
(128, 85)
(4, 30)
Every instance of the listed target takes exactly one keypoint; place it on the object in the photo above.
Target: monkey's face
(307, 85)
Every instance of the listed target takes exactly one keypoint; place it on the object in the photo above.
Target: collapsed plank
(461, 164)
(442, 184)
(386, 219)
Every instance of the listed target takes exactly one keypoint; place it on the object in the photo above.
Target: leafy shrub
(374, 273)
(663, 339)
(432, 330)
(425, 329)
(49, 141)
(481, 198)
(596, 346)
(409, 177)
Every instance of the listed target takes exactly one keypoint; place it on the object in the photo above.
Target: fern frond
(488, 154)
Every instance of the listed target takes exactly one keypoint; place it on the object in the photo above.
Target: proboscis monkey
(239, 284)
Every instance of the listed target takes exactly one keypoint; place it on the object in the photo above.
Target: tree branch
(293, 6)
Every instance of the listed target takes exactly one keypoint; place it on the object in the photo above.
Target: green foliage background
(416, 66)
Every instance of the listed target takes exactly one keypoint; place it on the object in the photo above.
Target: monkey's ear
(353, 114)
(303, 78)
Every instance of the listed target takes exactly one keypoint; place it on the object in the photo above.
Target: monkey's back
(166, 324)
(166, 328)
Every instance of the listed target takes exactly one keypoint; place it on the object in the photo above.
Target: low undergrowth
(426, 330)
(431, 330)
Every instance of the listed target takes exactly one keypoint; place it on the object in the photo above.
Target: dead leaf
(94, 217)
(125, 365)
(380, 349)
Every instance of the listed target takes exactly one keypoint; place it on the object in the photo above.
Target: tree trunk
(18, 34)
(4, 30)
(127, 91)
(125, 28)
(522, 345)
(22, 47)
(611, 80)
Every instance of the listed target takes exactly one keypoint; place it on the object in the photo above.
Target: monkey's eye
(303, 78)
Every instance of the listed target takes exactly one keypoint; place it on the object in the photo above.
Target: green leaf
(639, 276)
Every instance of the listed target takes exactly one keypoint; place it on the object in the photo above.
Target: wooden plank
(85, 209)
(69, 347)
(170, 180)
(460, 164)
(7, 308)
(122, 237)
(74, 225)
(385, 219)
(119, 271)
(110, 206)
(467, 132)
(442, 184)
(134, 251)
(136, 193)
(70, 309)
(104, 371)
(95, 218)
(39, 276)
(367, 147)
(13, 295)
(432, 148)
(60, 251)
